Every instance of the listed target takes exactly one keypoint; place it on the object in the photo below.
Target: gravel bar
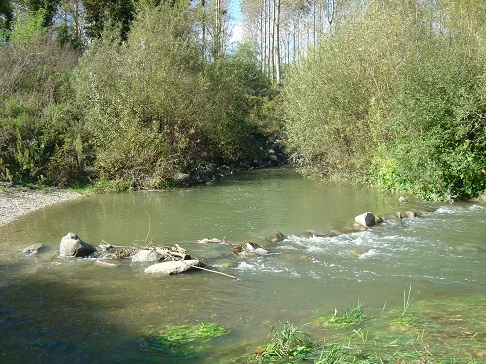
(18, 201)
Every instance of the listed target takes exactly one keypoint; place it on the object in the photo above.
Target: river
(74, 311)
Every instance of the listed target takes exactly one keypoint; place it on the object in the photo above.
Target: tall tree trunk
(277, 42)
(203, 30)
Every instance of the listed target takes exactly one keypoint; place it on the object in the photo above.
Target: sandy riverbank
(15, 201)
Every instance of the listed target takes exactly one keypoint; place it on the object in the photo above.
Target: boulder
(33, 248)
(72, 246)
(171, 267)
(277, 237)
(248, 248)
(147, 256)
(366, 219)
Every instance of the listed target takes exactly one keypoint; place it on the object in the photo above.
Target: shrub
(41, 140)
(154, 108)
(400, 105)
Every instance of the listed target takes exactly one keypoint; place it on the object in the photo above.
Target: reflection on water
(60, 310)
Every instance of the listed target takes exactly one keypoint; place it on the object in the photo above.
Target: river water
(73, 310)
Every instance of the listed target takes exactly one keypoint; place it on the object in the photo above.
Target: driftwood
(213, 240)
(215, 271)
(108, 251)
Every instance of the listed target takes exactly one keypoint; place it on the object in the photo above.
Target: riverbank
(18, 201)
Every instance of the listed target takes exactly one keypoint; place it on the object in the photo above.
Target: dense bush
(154, 108)
(394, 96)
(40, 137)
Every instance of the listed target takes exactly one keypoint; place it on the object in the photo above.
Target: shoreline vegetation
(360, 334)
(149, 97)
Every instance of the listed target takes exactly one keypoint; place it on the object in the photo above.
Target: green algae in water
(449, 330)
(351, 316)
(181, 341)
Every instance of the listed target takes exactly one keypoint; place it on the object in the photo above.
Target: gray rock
(366, 219)
(402, 199)
(171, 267)
(33, 248)
(147, 256)
(72, 246)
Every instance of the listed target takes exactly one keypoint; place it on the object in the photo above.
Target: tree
(6, 19)
(394, 97)
(48, 9)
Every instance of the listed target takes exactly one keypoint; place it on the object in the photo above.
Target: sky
(235, 20)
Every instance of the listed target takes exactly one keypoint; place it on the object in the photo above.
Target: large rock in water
(366, 219)
(147, 256)
(171, 267)
(72, 246)
(248, 248)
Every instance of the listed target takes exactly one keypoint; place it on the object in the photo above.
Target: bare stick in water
(215, 271)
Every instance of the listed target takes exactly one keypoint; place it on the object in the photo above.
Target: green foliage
(6, 18)
(438, 150)
(181, 341)
(27, 26)
(155, 109)
(234, 107)
(142, 100)
(351, 315)
(175, 335)
(444, 331)
(41, 140)
(46, 8)
(400, 105)
(289, 343)
(139, 108)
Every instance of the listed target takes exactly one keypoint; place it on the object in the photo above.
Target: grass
(351, 315)
(290, 342)
(448, 331)
(407, 300)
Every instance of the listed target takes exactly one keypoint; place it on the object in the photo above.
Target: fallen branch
(215, 271)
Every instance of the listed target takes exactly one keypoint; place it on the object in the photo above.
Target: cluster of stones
(168, 260)
(270, 156)
(173, 260)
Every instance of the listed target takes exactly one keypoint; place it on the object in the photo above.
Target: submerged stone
(171, 267)
(277, 237)
(33, 248)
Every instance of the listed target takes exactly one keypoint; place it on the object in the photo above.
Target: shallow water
(72, 310)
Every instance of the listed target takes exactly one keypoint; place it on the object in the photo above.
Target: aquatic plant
(407, 300)
(332, 355)
(351, 315)
(174, 339)
(290, 342)
(447, 331)
(405, 319)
